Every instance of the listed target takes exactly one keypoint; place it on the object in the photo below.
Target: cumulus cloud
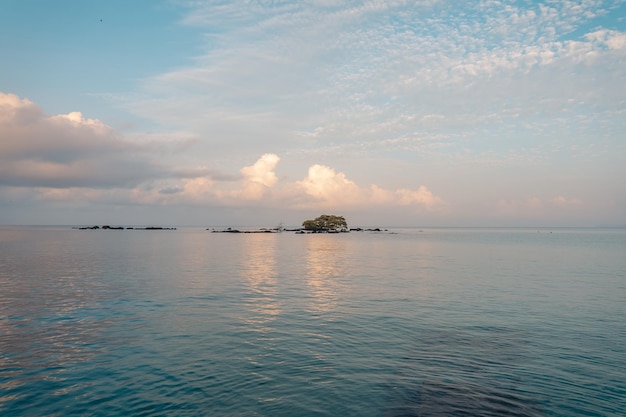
(262, 171)
(322, 188)
(259, 177)
(199, 189)
(331, 189)
(70, 157)
(422, 196)
(252, 185)
(69, 150)
(28, 133)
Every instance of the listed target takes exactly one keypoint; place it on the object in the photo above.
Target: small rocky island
(326, 223)
(107, 227)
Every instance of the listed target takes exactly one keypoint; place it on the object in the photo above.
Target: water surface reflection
(326, 268)
(51, 314)
(259, 271)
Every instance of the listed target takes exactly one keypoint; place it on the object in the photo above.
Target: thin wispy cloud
(371, 72)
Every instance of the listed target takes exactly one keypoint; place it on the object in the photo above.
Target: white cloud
(612, 39)
(422, 196)
(70, 150)
(259, 177)
(262, 171)
(331, 189)
(360, 73)
(434, 87)
(199, 189)
(69, 157)
(64, 150)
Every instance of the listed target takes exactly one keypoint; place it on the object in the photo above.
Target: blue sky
(417, 113)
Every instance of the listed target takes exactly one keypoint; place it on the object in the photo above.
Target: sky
(255, 113)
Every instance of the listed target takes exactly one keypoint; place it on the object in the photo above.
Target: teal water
(439, 322)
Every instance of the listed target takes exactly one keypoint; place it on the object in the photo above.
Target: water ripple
(452, 323)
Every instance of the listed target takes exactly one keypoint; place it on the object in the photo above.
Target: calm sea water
(439, 322)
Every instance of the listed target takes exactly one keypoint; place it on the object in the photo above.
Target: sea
(401, 322)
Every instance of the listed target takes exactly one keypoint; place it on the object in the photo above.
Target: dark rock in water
(107, 227)
(229, 230)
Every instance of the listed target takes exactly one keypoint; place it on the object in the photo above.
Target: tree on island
(326, 223)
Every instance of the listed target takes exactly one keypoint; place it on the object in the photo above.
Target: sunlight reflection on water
(443, 322)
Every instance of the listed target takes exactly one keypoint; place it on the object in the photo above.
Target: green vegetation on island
(326, 223)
